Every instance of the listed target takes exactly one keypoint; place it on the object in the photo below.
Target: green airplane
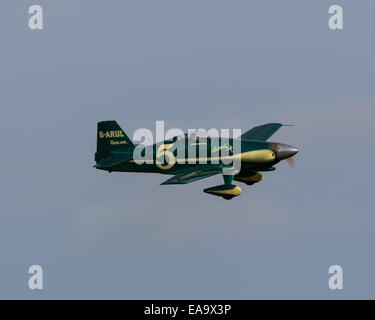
(115, 153)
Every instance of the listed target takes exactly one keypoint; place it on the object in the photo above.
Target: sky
(194, 64)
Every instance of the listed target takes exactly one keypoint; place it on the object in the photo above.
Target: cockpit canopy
(193, 136)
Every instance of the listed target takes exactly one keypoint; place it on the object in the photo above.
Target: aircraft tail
(111, 139)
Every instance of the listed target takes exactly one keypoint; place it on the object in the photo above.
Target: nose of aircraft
(285, 151)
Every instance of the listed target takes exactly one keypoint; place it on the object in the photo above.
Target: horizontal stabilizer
(114, 160)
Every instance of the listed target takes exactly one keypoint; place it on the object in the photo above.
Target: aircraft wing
(262, 133)
(191, 175)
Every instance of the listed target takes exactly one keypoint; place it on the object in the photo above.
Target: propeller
(287, 152)
(292, 161)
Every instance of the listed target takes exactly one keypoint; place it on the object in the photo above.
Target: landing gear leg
(228, 179)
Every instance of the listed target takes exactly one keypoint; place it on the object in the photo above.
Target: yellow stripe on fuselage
(255, 156)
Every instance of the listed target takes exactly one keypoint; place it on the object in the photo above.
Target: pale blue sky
(223, 64)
